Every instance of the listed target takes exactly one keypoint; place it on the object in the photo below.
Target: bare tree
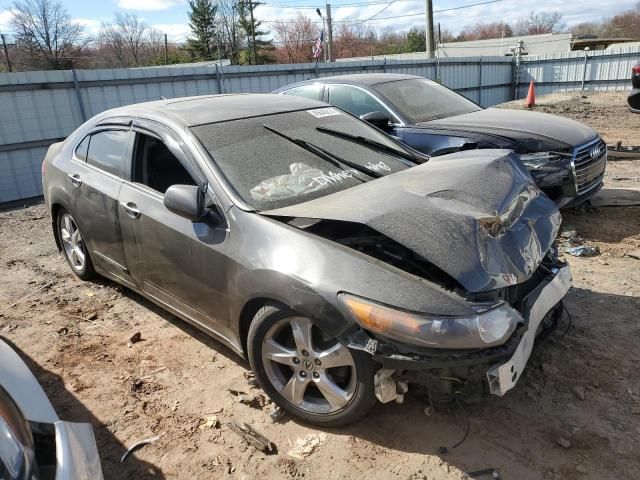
(354, 39)
(295, 39)
(46, 31)
(485, 30)
(227, 25)
(537, 23)
(125, 38)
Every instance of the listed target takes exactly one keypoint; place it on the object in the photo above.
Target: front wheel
(316, 379)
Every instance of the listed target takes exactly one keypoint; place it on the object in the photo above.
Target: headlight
(539, 159)
(485, 329)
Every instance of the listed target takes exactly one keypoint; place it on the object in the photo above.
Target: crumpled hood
(477, 215)
(534, 128)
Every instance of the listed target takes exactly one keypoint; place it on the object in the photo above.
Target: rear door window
(107, 150)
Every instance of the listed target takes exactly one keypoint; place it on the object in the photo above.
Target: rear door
(177, 262)
(96, 172)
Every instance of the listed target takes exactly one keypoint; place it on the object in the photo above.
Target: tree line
(46, 37)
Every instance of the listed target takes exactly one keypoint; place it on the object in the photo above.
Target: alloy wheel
(312, 373)
(72, 242)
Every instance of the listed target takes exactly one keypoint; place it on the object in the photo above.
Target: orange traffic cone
(531, 96)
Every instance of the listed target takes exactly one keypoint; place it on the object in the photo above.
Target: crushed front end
(470, 372)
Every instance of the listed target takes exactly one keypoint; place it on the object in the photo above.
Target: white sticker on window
(324, 112)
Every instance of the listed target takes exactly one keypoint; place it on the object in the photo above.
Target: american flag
(317, 47)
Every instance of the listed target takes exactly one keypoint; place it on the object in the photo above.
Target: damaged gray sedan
(342, 264)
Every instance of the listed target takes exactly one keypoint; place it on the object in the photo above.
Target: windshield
(422, 100)
(275, 161)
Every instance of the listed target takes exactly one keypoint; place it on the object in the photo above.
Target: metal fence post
(480, 81)
(76, 87)
(218, 79)
(584, 69)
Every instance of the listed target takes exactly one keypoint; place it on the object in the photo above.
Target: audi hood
(476, 215)
(535, 129)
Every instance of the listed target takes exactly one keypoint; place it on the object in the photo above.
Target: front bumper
(503, 377)
(504, 364)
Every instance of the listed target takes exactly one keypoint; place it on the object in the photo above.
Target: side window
(107, 150)
(156, 167)
(82, 149)
(314, 92)
(354, 100)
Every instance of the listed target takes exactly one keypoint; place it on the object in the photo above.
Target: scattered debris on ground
(252, 437)
(303, 447)
(138, 446)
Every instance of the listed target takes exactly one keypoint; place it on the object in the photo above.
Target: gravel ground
(575, 413)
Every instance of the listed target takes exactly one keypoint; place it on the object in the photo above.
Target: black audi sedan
(342, 264)
(566, 158)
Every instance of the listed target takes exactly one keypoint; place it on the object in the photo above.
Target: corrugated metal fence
(39, 108)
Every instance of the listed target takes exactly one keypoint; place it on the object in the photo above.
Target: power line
(406, 15)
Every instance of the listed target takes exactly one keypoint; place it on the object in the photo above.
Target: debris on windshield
(252, 437)
(303, 447)
(302, 180)
(583, 251)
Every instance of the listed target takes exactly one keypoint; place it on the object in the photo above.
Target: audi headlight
(538, 160)
(486, 328)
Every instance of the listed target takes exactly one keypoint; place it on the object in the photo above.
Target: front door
(175, 261)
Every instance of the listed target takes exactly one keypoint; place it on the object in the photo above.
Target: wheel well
(248, 312)
(55, 208)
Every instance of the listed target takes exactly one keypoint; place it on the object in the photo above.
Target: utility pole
(329, 34)
(253, 34)
(166, 53)
(6, 52)
(429, 28)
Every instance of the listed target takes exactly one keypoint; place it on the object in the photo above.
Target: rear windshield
(423, 100)
(269, 171)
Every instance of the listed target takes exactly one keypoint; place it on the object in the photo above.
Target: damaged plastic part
(388, 389)
(491, 326)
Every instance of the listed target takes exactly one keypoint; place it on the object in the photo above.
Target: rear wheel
(314, 378)
(73, 246)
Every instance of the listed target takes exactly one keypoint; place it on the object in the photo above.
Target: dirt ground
(581, 388)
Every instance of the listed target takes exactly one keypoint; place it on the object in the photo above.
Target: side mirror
(377, 119)
(186, 201)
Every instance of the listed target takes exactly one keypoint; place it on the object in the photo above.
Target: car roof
(205, 109)
(363, 79)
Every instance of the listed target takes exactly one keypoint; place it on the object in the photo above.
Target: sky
(170, 16)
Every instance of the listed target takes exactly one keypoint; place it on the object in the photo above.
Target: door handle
(75, 179)
(131, 209)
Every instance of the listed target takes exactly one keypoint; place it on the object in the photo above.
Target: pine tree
(202, 17)
(258, 49)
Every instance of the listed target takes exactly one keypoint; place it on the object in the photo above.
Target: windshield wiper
(367, 142)
(320, 152)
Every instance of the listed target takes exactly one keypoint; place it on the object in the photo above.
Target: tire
(318, 381)
(74, 249)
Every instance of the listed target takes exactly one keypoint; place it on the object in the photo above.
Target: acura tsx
(342, 264)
